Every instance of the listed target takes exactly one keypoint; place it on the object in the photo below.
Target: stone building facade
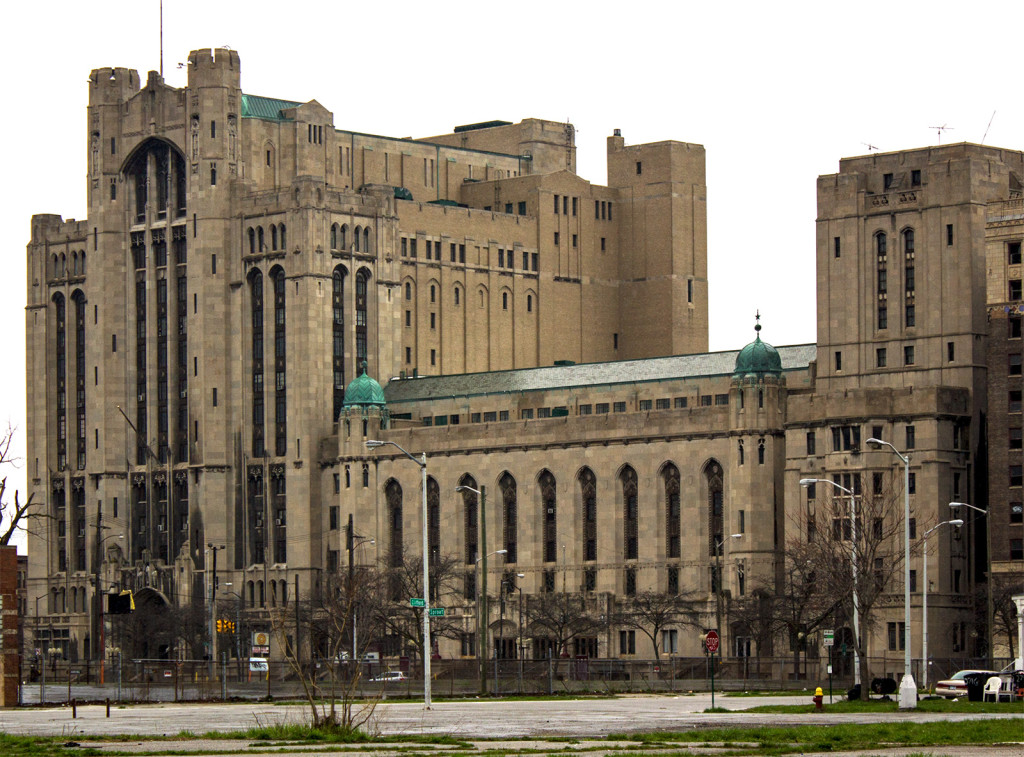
(545, 340)
(190, 341)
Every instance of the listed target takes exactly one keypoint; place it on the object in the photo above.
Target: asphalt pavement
(587, 717)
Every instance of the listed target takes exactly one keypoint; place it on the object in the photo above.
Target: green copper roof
(758, 357)
(267, 108)
(364, 391)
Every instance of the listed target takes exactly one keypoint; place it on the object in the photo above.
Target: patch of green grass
(931, 704)
(781, 740)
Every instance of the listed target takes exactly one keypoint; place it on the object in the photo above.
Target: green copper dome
(758, 358)
(364, 391)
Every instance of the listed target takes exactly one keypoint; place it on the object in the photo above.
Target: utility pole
(213, 609)
(483, 615)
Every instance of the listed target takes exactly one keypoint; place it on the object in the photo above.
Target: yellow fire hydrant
(819, 695)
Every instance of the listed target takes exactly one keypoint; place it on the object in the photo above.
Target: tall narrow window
(910, 317)
(393, 498)
(588, 500)
(338, 337)
(79, 299)
(509, 505)
(60, 376)
(361, 315)
(630, 515)
(278, 505)
(141, 407)
(716, 507)
(280, 365)
(256, 322)
(549, 515)
(433, 526)
(471, 526)
(673, 518)
(881, 262)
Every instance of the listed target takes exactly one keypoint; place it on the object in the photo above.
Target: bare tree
(651, 613)
(11, 513)
(330, 614)
(561, 617)
(818, 577)
(394, 614)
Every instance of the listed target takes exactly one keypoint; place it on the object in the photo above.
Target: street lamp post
(422, 462)
(353, 542)
(519, 589)
(718, 580)
(908, 688)
(98, 605)
(924, 596)
(853, 564)
(213, 609)
(482, 618)
(989, 611)
(481, 605)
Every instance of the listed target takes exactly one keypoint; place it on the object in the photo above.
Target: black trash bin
(1018, 681)
(975, 687)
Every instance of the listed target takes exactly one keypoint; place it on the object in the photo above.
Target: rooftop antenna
(941, 129)
(988, 127)
(161, 39)
(869, 146)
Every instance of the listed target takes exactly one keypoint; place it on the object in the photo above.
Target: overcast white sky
(776, 92)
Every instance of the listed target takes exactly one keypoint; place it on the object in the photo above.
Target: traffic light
(220, 625)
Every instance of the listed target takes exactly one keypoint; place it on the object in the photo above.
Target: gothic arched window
(509, 504)
(549, 515)
(673, 519)
(588, 500)
(630, 514)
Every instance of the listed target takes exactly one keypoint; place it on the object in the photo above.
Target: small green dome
(758, 358)
(364, 391)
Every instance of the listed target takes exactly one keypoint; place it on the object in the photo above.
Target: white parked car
(394, 676)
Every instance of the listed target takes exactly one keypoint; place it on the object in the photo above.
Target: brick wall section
(9, 624)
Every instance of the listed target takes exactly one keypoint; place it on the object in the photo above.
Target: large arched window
(433, 523)
(509, 505)
(362, 279)
(393, 498)
(716, 507)
(338, 337)
(588, 500)
(673, 520)
(280, 364)
(141, 368)
(909, 285)
(471, 525)
(60, 378)
(549, 514)
(256, 323)
(630, 515)
(881, 263)
(79, 300)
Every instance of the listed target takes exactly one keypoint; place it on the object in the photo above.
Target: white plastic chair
(992, 687)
